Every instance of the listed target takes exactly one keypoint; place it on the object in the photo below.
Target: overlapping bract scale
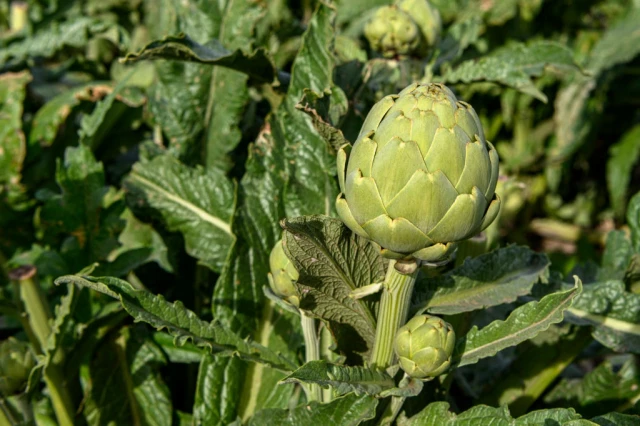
(421, 175)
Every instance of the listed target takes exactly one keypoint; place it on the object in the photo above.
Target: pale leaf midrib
(207, 217)
(605, 321)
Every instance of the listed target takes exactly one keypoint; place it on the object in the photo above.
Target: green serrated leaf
(257, 65)
(342, 379)
(491, 279)
(514, 65)
(524, 323)
(198, 202)
(574, 115)
(81, 212)
(349, 410)
(623, 155)
(12, 140)
(333, 262)
(95, 126)
(438, 414)
(53, 38)
(614, 313)
(182, 323)
(311, 187)
(125, 386)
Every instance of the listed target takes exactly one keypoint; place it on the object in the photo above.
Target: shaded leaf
(347, 410)
(257, 66)
(514, 65)
(81, 212)
(182, 323)
(342, 379)
(500, 276)
(125, 385)
(197, 202)
(623, 155)
(12, 139)
(614, 313)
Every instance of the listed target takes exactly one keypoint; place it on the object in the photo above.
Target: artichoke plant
(406, 28)
(283, 275)
(420, 176)
(424, 346)
(16, 363)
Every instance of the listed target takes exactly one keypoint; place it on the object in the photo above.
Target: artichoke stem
(39, 314)
(312, 352)
(392, 314)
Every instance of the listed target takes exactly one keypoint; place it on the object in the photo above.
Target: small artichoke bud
(420, 176)
(283, 275)
(426, 17)
(424, 346)
(16, 363)
(393, 33)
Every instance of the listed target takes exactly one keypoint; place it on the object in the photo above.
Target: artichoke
(424, 346)
(283, 275)
(16, 363)
(392, 32)
(420, 176)
(406, 28)
(426, 17)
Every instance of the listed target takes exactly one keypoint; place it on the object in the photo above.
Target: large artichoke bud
(283, 275)
(16, 363)
(424, 346)
(392, 32)
(420, 176)
(405, 28)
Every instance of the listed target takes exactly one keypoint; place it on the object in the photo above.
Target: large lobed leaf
(82, 212)
(514, 65)
(614, 313)
(500, 276)
(257, 65)
(438, 414)
(333, 262)
(342, 379)
(524, 323)
(182, 323)
(574, 116)
(198, 202)
(349, 410)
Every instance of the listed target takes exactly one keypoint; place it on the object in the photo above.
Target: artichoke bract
(424, 346)
(16, 363)
(392, 32)
(283, 275)
(420, 176)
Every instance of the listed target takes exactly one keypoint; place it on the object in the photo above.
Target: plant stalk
(325, 348)
(312, 352)
(392, 314)
(38, 314)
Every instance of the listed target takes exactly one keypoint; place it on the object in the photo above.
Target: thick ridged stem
(312, 352)
(392, 314)
(325, 353)
(38, 313)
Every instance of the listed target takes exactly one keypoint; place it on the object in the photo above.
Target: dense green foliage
(152, 153)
